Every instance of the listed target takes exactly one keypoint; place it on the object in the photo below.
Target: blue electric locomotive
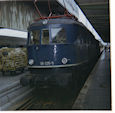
(57, 48)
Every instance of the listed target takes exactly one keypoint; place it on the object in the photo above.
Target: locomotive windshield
(58, 35)
(45, 36)
(34, 37)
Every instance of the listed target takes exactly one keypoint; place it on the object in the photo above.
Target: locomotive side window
(35, 37)
(58, 35)
(45, 36)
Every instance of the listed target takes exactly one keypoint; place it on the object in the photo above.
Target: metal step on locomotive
(59, 48)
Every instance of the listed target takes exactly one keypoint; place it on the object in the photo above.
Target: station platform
(96, 92)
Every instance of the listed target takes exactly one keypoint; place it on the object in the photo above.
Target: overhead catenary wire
(49, 8)
(66, 12)
(37, 8)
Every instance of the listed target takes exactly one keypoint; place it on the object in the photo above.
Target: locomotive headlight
(64, 60)
(31, 61)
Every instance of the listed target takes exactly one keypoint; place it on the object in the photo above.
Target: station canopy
(75, 10)
(13, 33)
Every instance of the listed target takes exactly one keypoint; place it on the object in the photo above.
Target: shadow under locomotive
(62, 77)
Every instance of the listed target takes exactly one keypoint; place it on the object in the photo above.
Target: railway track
(37, 104)
(33, 103)
(27, 103)
(11, 97)
(47, 101)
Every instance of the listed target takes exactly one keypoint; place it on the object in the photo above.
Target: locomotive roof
(56, 21)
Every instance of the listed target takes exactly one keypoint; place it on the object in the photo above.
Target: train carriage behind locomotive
(58, 46)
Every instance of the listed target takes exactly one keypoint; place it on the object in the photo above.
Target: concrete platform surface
(96, 92)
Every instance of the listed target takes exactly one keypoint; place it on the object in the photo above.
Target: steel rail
(27, 103)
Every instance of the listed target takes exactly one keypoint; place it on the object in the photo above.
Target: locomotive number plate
(46, 63)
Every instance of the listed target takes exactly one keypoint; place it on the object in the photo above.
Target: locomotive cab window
(34, 37)
(45, 36)
(58, 35)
